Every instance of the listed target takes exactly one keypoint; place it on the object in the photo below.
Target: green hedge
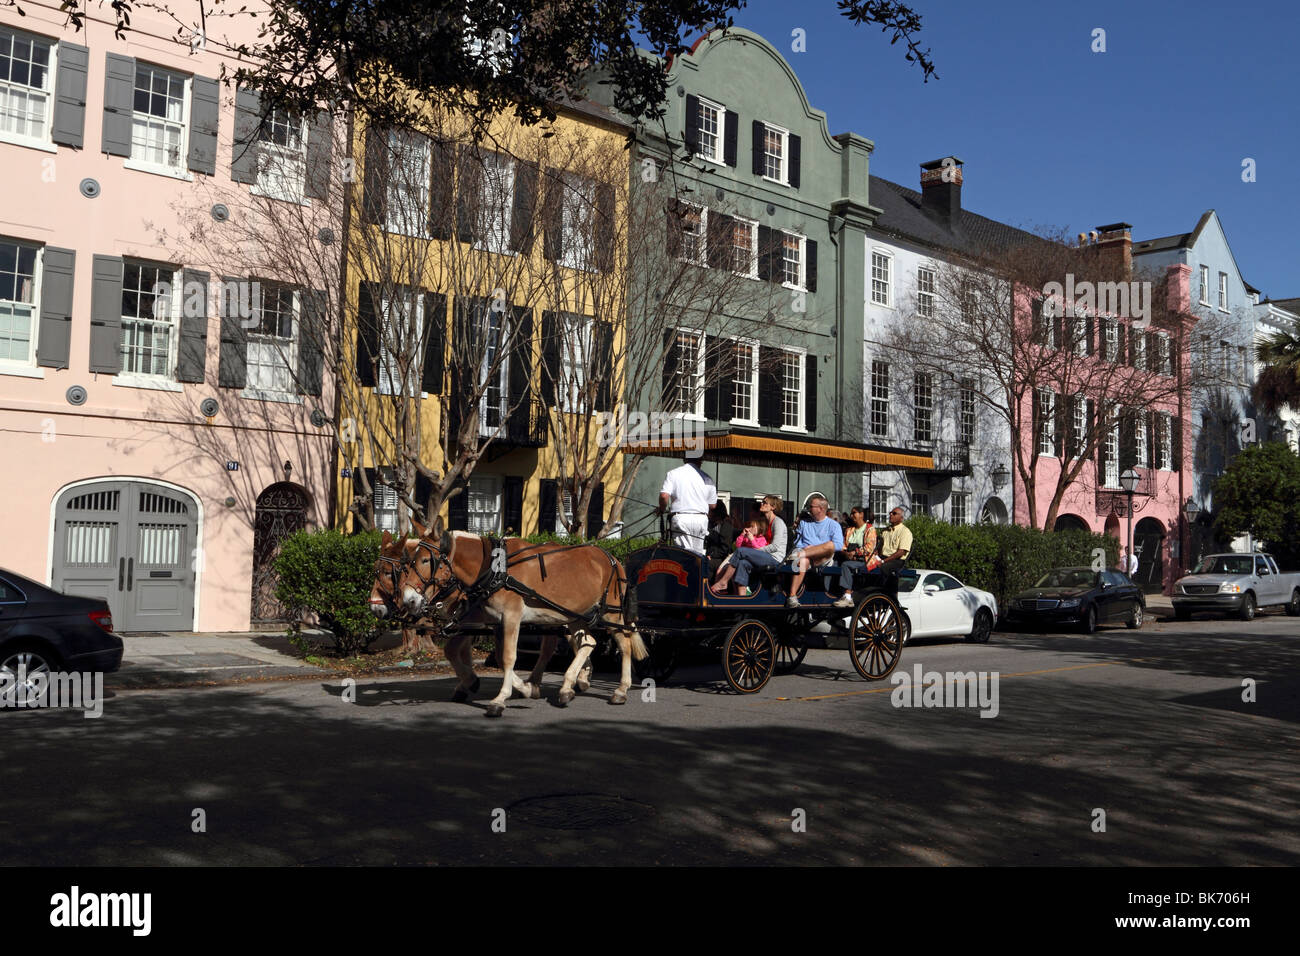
(1002, 559)
(618, 547)
(331, 574)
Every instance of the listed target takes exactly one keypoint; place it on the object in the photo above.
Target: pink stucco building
(1153, 440)
(158, 440)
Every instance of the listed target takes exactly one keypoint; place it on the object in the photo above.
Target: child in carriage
(752, 536)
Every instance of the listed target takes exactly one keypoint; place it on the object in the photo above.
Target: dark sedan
(1078, 596)
(44, 631)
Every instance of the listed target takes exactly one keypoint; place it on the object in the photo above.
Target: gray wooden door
(132, 544)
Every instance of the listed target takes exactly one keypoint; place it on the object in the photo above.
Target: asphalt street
(1148, 726)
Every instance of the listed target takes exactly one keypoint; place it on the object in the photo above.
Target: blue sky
(1152, 132)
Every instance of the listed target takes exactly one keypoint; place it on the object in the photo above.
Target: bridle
(439, 561)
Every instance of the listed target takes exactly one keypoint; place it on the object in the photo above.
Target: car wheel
(1089, 625)
(30, 659)
(981, 628)
(1247, 612)
(907, 628)
(1136, 618)
(1293, 607)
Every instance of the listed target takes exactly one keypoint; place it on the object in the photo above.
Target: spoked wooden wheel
(748, 657)
(790, 652)
(664, 653)
(876, 638)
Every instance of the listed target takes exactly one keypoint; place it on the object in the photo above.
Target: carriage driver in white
(688, 493)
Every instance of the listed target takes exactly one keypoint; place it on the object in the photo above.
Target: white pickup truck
(1236, 584)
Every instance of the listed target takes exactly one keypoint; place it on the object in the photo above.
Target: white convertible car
(935, 604)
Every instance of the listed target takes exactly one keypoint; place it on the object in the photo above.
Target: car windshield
(1067, 578)
(1226, 564)
(907, 581)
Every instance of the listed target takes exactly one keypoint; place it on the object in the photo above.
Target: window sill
(22, 371)
(710, 159)
(144, 381)
(745, 422)
(794, 288)
(794, 428)
(168, 171)
(266, 395)
(776, 182)
(15, 140)
(268, 194)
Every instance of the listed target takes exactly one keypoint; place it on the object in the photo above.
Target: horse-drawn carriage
(758, 636)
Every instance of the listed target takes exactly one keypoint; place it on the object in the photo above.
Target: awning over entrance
(743, 447)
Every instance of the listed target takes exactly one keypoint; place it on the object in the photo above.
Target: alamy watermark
(650, 431)
(946, 689)
(53, 690)
(1125, 300)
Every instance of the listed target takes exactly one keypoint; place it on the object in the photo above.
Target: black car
(41, 629)
(1079, 596)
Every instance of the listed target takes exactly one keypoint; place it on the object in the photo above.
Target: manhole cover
(577, 811)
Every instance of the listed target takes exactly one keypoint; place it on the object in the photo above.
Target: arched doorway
(1070, 523)
(281, 510)
(1149, 543)
(132, 543)
(993, 512)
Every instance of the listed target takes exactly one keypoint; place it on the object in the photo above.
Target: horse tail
(639, 652)
(629, 604)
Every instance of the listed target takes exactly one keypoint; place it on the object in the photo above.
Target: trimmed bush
(1003, 559)
(331, 574)
(620, 548)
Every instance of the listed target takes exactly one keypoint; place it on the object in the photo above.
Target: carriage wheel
(876, 639)
(790, 652)
(659, 666)
(748, 657)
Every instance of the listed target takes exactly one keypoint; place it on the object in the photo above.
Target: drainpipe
(836, 225)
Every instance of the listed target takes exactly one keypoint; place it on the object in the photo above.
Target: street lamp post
(1129, 482)
(1192, 510)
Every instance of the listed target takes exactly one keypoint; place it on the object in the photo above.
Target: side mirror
(932, 589)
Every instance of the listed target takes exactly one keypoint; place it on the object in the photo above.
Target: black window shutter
(1090, 330)
(442, 205)
(232, 360)
(810, 268)
(810, 392)
(458, 510)
(673, 244)
(512, 505)
(248, 123)
(769, 387)
(604, 227)
(320, 142)
(1099, 428)
(1058, 329)
(756, 148)
(1150, 418)
(367, 334)
(374, 201)
(522, 361)
(691, 135)
(311, 335)
(596, 510)
(469, 194)
(461, 350)
(205, 113)
(718, 254)
(550, 357)
(671, 361)
(70, 95)
(435, 342)
(730, 135)
(523, 207)
(765, 237)
(106, 315)
(194, 326)
(726, 386)
(1127, 439)
(1176, 441)
(1121, 340)
(1153, 357)
(795, 150)
(553, 216)
(119, 105)
(712, 373)
(54, 339)
(1061, 408)
(602, 366)
(546, 505)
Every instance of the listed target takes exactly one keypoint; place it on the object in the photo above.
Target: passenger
(747, 559)
(752, 536)
(895, 543)
(815, 545)
(720, 542)
(859, 547)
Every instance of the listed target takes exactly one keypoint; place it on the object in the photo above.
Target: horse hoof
(564, 697)
(495, 710)
(535, 691)
(583, 686)
(460, 696)
(618, 697)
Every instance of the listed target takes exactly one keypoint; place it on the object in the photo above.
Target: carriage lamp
(1192, 510)
(1000, 475)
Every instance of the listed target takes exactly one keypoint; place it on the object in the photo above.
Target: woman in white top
(745, 560)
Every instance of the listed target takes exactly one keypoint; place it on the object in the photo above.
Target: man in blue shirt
(815, 544)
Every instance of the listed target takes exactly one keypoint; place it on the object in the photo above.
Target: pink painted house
(159, 442)
(1153, 440)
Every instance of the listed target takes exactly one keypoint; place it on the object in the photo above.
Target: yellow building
(483, 290)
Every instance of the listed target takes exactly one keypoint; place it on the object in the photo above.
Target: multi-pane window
(497, 199)
(1079, 334)
(1225, 359)
(1140, 437)
(1164, 442)
(925, 292)
(1205, 285)
(1138, 342)
(1112, 340)
(879, 399)
(1223, 290)
(575, 351)
(920, 502)
(147, 323)
(17, 300)
(25, 85)
(1045, 316)
(966, 411)
(690, 373)
(792, 259)
(1242, 365)
(1046, 421)
(1079, 423)
(1111, 478)
(774, 141)
(792, 368)
(408, 182)
(878, 500)
(399, 343)
(158, 123)
(744, 251)
(744, 382)
(484, 505)
(923, 405)
(282, 157)
(710, 131)
(385, 501)
(961, 507)
(577, 217)
(270, 343)
(693, 220)
(494, 368)
(882, 267)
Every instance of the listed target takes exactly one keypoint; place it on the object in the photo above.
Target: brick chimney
(1115, 245)
(941, 189)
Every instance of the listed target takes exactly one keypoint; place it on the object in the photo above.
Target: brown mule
(574, 587)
